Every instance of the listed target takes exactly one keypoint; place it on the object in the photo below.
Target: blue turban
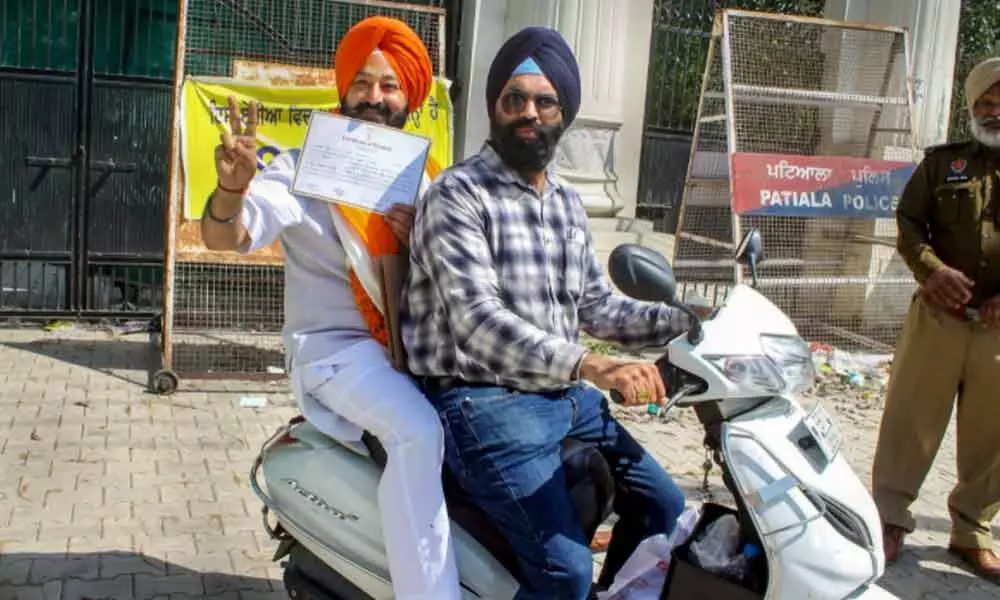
(537, 50)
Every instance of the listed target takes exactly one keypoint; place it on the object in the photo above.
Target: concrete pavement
(109, 492)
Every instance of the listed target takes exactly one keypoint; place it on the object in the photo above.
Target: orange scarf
(379, 240)
(369, 312)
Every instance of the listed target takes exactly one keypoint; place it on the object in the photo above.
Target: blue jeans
(503, 447)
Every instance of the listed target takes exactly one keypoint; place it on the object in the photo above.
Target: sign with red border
(790, 185)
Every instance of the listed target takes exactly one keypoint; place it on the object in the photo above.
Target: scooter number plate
(825, 431)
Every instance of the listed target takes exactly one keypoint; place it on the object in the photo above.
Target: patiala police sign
(789, 185)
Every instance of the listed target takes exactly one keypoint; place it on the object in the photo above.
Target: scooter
(740, 369)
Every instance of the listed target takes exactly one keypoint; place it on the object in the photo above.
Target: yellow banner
(281, 125)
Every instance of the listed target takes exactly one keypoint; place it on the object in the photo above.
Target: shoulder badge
(946, 146)
(954, 164)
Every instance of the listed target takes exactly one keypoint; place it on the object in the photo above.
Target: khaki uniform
(948, 214)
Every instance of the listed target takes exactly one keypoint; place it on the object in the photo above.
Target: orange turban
(401, 46)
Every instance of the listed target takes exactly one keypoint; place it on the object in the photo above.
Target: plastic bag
(718, 550)
(644, 573)
(718, 545)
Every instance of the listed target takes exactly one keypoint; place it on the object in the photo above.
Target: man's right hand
(638, 382)
(948, 288)
(236, 156)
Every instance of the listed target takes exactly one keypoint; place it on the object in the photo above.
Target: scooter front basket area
(687, 581)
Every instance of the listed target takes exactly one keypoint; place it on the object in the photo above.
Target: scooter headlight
(752, 373)
(792, 357)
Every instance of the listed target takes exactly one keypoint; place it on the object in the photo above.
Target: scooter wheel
(165, 382)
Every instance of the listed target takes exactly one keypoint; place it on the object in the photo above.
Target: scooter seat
(588, 477)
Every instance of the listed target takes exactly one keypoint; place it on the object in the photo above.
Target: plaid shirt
(502, 279)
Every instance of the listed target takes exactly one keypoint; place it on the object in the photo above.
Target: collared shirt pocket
(574, 261)
(957, 205)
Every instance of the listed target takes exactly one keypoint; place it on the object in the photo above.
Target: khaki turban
(982, 77)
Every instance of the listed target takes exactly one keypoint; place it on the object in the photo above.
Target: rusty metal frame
(173, 193)
(689, 181)
(814, 20)
(727, 78)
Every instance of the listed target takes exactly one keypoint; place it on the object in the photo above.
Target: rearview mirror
(750, 251)
(642, 273)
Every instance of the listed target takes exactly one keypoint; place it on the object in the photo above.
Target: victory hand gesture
(236, 156)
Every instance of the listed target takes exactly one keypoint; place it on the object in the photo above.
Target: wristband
(211, 215)
(219, 185)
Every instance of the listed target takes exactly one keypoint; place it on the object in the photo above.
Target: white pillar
(599, 154)
(935, 39)
(481, 38)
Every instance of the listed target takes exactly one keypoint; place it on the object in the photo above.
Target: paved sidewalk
(109, 492)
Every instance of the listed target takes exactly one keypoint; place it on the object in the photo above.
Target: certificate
(359, 163)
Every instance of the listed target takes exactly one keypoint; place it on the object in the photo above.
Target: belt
(435, 385)
(962, 314)
(957, 313)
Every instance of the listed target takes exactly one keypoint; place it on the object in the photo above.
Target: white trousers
(366, 390)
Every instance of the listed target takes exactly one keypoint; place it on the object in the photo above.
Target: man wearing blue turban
(503, 277)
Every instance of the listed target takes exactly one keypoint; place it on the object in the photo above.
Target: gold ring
(644, 395)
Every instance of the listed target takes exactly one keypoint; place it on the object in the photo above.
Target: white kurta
(344, 382)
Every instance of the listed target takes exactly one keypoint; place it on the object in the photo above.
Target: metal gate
(85, 87)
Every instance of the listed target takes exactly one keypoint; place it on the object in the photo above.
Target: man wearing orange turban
(334, 334)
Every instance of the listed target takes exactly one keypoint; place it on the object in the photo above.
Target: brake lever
(686, 390)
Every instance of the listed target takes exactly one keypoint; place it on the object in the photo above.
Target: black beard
(525, 156)
(397, 120)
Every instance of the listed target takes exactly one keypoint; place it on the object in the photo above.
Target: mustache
(525, 123)
(387, 116)
(990, 120)
(361, 107)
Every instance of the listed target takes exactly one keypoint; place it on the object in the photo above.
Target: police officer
(949, 236)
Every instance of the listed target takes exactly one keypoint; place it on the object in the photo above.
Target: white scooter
(797, 498)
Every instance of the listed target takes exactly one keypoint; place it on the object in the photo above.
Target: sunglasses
(516, 101)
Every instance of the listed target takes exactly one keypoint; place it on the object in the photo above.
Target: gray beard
(987, 137)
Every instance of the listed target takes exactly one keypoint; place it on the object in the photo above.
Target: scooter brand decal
(319, 502)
